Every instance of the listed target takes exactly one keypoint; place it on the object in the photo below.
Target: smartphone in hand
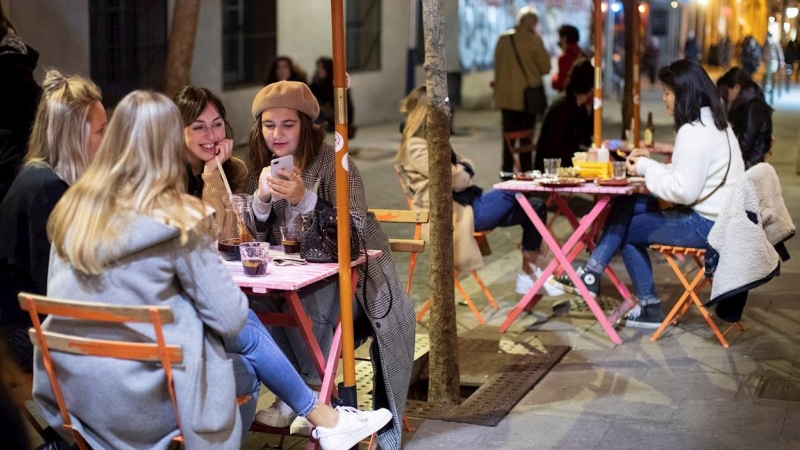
(284, 162)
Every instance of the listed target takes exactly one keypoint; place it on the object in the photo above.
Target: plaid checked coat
(392, 349)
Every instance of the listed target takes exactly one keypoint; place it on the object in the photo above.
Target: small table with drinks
(286, 280)
(585, 232)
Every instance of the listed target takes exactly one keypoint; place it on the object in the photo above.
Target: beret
(286, 94)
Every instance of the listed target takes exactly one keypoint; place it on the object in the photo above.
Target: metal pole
(609, 57)
(342, 199)
(598, 74)
(636, 86)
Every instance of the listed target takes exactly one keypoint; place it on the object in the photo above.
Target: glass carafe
(238, 225)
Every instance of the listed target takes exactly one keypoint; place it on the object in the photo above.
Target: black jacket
(24, 248)
(751, 120)
(19, 97)
(566, 127)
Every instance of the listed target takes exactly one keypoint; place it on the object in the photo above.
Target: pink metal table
(585, 232)
(286, 281)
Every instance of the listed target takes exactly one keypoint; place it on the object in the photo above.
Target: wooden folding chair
(413, 246)
(48, 341)
(519, 142)
(691, 290)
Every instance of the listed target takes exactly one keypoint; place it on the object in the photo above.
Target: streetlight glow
(674, 4)
(615, 7)
(791, 13)
(702, 2)
(604, 7)
(641, 9)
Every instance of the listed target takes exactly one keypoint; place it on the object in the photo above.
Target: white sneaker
(301, 427)
(278, 415)
(352, 427)
(525, 283)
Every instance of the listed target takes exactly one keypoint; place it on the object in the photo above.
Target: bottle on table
(649, 132)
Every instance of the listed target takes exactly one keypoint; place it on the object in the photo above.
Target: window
(363, 35)
(249, 41)
(128, 46)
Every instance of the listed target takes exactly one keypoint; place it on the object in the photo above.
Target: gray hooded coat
(125, 404)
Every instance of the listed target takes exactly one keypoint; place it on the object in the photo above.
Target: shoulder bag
(535, 98)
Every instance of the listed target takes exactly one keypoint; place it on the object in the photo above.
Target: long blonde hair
(415, 108)
(138, 169)
(61, 130)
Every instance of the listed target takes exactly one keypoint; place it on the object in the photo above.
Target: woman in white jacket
(706, 163)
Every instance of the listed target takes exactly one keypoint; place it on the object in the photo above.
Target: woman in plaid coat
(285, 114)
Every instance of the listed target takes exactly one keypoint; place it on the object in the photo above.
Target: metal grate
(579, 309)
(779, 389)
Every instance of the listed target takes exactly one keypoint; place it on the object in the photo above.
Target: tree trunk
(631, 22)
(181, 45)
(444, 377)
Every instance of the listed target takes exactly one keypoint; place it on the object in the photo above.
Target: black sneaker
(649, 317)
(589, 278)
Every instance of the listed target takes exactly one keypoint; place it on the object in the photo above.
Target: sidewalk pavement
(683, 391)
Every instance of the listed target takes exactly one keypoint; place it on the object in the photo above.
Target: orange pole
(637, 125)
(342, 193)
(598, 74)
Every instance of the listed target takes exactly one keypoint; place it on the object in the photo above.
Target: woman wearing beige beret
(284, 114)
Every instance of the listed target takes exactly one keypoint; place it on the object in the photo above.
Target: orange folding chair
(480, 236)
(519, 142)
(692, 288)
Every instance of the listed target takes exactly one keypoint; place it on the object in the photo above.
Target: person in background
(652, 53)
(568, 125)
(69, 126)
(323, 90)
(706, 163)
(750, 57)
(568, 38)
(148, 242)
(473, 209)
(510, 80)
(748, 113)
(691, 50)
(285, 69)
(206, 136)
(20, 95)
(772, 55)
(284, 114)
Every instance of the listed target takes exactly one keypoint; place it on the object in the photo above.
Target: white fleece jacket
(699, 161)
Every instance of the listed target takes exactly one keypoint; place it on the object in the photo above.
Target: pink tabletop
(288, 278)
(585, 188)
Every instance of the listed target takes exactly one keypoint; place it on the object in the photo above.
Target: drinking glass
(620, 170)
(255, 257)
(290, 237)
(551, 166)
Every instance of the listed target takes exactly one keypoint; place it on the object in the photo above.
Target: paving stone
(726, 418)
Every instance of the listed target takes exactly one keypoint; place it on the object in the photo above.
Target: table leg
(560, 258)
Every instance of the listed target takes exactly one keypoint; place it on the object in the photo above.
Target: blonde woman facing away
(148, 242)
(69, 126)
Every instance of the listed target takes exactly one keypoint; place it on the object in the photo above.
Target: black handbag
(319, 242)
(534, 97)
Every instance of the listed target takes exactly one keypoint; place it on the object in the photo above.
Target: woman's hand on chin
(224, 151)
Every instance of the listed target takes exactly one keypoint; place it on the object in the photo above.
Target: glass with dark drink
(229, 249)
(290, 238)
(255, 256)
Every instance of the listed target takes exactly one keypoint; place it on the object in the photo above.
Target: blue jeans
(321, 304)
(633, 224)
(256, 357)
(500, 209)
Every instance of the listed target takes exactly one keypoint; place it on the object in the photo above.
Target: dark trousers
(517, 121)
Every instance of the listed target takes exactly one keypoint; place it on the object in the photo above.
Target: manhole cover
(778, 389)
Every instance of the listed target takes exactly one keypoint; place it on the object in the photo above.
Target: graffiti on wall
(483, 21)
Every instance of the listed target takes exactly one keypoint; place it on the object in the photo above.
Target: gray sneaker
(648, 317)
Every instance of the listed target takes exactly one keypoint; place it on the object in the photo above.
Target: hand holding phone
(284, 162)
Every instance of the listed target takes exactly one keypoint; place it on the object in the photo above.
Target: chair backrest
(520, 141)
(99, 312)
(417, 217)
(402, 177)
